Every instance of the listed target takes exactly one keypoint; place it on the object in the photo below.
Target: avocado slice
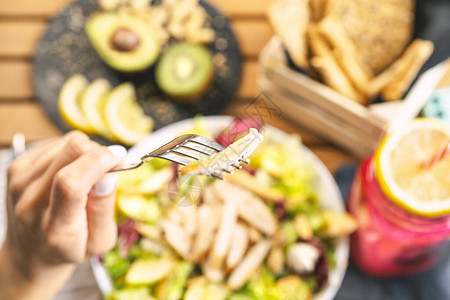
(185, 71)
(125, 43)
(148, 271)
(174, 284)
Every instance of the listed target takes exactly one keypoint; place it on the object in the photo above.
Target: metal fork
(183, 150)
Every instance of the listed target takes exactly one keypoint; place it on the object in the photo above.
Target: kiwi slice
(185, 71)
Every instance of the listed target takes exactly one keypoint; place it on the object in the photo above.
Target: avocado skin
(188, 90)
(100, 29)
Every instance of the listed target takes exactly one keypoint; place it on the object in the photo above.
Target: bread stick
(345, 53)
(395, 70)
(335, 78)
(317, 8)
(422, 50)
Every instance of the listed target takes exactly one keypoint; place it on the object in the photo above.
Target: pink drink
(391, 241)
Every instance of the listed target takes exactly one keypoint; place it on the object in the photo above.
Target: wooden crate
(313, 105)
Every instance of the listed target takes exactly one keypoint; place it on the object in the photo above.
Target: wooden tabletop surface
(22, 22)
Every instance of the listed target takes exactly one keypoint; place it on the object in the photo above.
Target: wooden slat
(252, 35)
(48, 8)
(26, 117)
(19, 37)
(255, 8)
(15, 80)
(29, 118)
(248, 88)
(333, 158)
(31, 8)
(323, 124)
(240, 108)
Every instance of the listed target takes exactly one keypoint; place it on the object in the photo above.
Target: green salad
(258, 234)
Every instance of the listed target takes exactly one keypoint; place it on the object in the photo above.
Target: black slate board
(64, 50)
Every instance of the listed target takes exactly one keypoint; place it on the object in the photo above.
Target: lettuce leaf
(290, 171)
(115, 264)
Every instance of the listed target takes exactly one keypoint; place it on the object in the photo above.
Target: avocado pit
(125, 40)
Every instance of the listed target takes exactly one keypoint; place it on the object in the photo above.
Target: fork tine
(199, 148)
(245, 161)
(217, 176)
(175, 158)
(226, 170)
(237, 166)
(176, 142)
(187, 152)
(206, 142)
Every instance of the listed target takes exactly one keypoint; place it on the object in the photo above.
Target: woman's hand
(60, 211)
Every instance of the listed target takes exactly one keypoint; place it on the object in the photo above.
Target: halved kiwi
(185, 71)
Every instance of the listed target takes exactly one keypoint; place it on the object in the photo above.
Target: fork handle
(127, 167)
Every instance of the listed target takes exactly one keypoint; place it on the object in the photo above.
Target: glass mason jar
(391, 241)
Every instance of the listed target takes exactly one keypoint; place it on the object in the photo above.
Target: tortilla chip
(381, 29)
(290, 19)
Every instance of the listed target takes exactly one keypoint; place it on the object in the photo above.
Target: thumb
(100, 209)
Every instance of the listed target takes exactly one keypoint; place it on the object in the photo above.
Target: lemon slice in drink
(422, 191)
(92, 106)
(69, 103)
(125, 118)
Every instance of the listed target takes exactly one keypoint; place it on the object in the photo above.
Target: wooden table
(21, 24)
(23, 21)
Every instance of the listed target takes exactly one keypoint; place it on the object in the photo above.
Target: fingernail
(118, 151)
(107, 184)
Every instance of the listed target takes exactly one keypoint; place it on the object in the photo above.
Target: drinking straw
(439, 155)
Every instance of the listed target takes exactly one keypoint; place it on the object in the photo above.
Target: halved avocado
(125, 43)
(185, 70)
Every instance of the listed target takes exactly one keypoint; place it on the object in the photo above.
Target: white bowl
(328, 191)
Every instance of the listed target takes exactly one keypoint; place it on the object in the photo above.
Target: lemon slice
(92, 106)
(398, 167)
(69, 103)
(125, 118)
(149, 270)
(139, 207)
